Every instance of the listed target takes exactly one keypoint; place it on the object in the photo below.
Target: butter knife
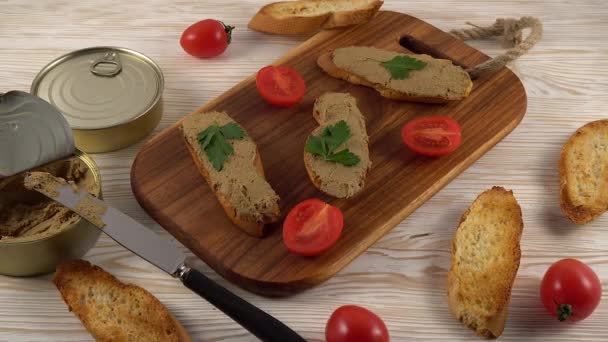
(162, 254)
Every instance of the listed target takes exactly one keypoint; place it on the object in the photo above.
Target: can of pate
(110, 96)
(36, 233)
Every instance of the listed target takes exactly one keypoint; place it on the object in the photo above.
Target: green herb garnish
(400, 66)
(331, 138)
(214, 141)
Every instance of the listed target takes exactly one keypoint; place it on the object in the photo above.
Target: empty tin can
(110, 96)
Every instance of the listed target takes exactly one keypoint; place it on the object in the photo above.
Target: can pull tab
(108, 65)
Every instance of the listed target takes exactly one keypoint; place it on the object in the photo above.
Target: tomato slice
(312, 227)
(280, 85)
(432, 136)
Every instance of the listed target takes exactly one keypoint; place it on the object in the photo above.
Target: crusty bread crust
(584, 213)
(247, 223)
(84, 288)
(355, 17)
(482, 308)
(264, 21)
(326, 63)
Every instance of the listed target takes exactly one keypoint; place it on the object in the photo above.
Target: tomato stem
(228, 30)
(564, 311)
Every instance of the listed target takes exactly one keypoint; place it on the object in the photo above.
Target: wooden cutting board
(169, 187)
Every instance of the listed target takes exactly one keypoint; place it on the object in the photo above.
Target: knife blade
(161, 253)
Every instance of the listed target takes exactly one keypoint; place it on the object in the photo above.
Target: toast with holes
(113, 311)
(305, 16)
(434, 81)
(583, 170)
(334, 178)
(485, 260)
(239, 184)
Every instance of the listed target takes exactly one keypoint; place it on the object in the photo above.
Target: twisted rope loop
(511, 31)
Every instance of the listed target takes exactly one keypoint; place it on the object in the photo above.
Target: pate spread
(49, 185)
(44, 183)
(439, 78)
(92, 211)
(26, 215)
(337, 179)
(239, 181)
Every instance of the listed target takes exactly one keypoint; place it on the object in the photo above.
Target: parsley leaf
(214, 141)
(331, 138)
(204, 137)
(344, 157)
(232, 131)
(399, 67)
(336, 135)
(316, 145)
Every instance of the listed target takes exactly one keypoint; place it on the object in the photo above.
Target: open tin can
(40, 253)
(110, 96)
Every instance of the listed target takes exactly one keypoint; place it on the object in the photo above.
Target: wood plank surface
(167, 184)
(401, 277)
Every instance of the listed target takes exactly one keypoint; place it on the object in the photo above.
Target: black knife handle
(259, 323)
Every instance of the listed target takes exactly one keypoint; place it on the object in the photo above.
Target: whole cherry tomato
(207, 38)
(570, 290)
(351, 323)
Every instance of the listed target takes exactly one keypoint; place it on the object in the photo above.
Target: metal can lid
(100, 87)
(32, 133)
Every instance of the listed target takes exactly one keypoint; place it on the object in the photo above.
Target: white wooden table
(402, 277)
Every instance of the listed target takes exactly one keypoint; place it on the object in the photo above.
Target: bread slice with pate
(239, 184)
(333, 178)
(438, 81)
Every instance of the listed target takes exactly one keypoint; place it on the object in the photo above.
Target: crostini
(583, 170)
(298, 17)
(485, 259)
(398, 76)
(229, 161)
(336, 155)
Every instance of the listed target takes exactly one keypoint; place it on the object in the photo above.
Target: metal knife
(164, 255)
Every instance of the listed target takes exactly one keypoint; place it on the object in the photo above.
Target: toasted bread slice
(240, 186)
(298, 17)
(583, 171)
(332, 178)
(485, 260)
(114, 311)
(439, 81)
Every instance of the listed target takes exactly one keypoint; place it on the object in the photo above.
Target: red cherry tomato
(570, 290)
(280, 85)
(207, 38)
(312, 227)
(351, 323)
(432, 136)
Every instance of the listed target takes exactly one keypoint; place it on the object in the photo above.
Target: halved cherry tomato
(312, 227)
(432, 136)
(351, 323)
(280, 85)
